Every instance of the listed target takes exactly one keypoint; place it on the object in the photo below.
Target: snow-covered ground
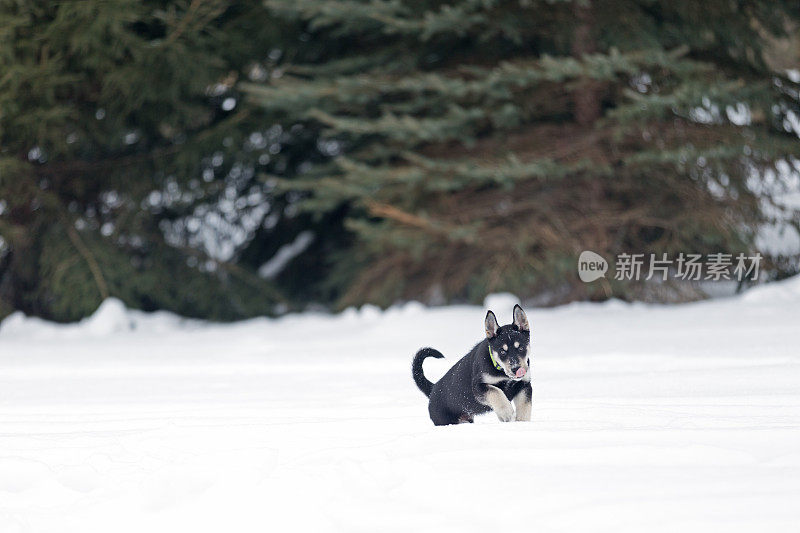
(645, 418)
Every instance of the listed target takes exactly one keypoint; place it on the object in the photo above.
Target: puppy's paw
(505, 413)
(523, 413)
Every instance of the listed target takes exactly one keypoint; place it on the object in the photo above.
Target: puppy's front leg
(522, 402)
(494, 398)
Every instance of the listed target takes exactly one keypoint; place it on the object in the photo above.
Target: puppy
(492, 375)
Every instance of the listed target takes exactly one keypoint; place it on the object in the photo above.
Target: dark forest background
(226, 159)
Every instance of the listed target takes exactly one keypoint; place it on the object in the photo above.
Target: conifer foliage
(481, 145)
(114, 122)
(226, 159)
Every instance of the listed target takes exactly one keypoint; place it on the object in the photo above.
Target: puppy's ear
(490, 323)
(520, 319)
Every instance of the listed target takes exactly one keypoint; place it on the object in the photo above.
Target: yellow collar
(494, 362)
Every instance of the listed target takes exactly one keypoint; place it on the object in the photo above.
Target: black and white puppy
(492, 375)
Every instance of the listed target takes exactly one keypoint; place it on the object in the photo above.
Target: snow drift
(646, 418)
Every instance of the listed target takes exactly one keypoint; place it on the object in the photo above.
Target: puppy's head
(510, 344)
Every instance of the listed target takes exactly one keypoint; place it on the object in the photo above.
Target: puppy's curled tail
(416, 369)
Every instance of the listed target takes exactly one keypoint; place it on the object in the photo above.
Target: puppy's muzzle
(518, 371)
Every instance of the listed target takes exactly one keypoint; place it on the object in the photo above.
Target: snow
(780, 237)
(645, 418)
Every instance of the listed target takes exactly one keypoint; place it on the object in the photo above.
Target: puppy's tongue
(520, 372)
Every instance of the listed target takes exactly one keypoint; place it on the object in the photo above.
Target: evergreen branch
(192, 12)
(91, 262)
(116, 161)
(184, 23)
(388, 211)
(382, 210)
(457, 123)
(508, 82)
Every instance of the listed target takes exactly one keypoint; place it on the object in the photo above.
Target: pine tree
(480, 145)
(118, 122)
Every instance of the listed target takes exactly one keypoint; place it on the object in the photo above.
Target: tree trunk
(586, 98)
